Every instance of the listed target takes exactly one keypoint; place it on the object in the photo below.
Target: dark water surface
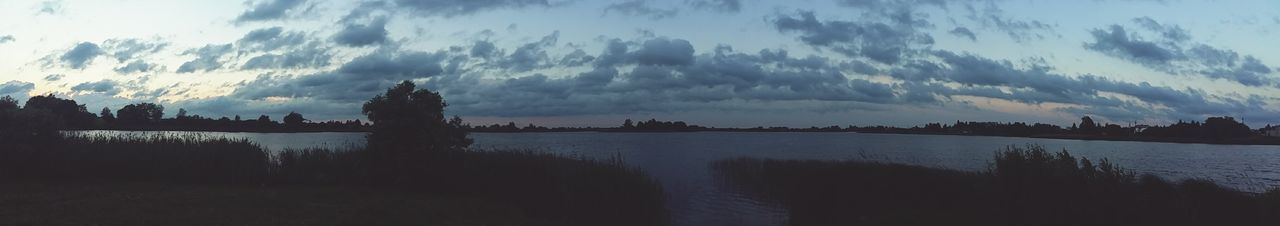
(680, 160)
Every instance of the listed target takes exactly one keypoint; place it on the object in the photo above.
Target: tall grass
(548, 189)
(1024, 186)
(186, 158)
(555, 189)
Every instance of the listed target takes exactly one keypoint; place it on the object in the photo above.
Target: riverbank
(1025, 186)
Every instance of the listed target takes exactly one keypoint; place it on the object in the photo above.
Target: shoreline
(1256, 140)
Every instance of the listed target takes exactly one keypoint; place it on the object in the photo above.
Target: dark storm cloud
(665, 52)
(312, 55)
(1116, 41)
(1170, 32)
(137, 66)
(280, 49)
(890, 4)
(262, 35)
(128, 49)
(357, 35)
(1035, 84)
(107, 87)
(576, 58)
(1173, 51)
(16, 89)
(615, 52)
(7, 39)
(527, 57)
(660, 74)
(882, 42)
(123, 50)
(81, 55)
(268, 10)
(393, 65)
(1251, 73)
(273, 38)
(483, 49)
(208, 58)
(1020, 30)
(989, 15)
(653, 75)
(54, 77)
(964, 33)
(365, 10)
(664, 75)
(732, 6)
(640, 8)
(450, 8)
(329, 94)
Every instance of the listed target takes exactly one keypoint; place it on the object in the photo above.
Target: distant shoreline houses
(1271, 131)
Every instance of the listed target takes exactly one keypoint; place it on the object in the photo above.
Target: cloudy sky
(710, 62)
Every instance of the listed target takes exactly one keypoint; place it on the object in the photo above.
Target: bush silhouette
(411, 137)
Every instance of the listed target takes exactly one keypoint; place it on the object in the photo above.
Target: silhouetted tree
(237, 118)
(140, 113)
(72, 114)
(628, 124)
(264, 119)
(1087, 125)
(294, 119)
(1225, 127)
(8, 107)
(106, 116)
(182, 114)
(24, 129)
(409, 128)
(7, 103)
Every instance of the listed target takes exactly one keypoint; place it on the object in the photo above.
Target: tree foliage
(411, 140)
(294, 119)
(140, 113)
(72, 114)
(410, 118)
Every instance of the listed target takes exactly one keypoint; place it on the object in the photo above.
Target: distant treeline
(67, 114)
(653, 125)
(1213, 127)
(1218, 130)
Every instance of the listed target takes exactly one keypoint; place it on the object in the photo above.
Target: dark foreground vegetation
(1024, 186)
(415, 159)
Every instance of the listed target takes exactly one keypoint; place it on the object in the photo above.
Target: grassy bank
(137, 203)
(1025, 186)
(523, 187)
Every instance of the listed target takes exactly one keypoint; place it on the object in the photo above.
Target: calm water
(680, 160)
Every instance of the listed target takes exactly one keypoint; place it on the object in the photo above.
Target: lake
(680, 160)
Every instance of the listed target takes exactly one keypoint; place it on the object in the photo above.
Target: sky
(724, 63)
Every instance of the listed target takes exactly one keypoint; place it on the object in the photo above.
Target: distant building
(1140, 128)
(1271, 131)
